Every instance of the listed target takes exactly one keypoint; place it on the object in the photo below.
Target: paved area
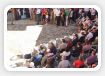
(20, 25)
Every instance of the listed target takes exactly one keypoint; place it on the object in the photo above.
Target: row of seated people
(78, 50)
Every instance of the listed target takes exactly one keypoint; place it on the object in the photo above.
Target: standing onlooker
(62, 16)
(10, 15)
(31, 13)
(70, 16)
(58, 18)
(67, 15)
(44, 13)
(38, 15)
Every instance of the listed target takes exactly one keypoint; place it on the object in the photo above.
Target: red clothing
(69, 44)
(44, 11)
(78, 63)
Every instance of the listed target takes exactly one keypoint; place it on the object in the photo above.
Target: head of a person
(83, 33)
(93, 29)
(75, 36)
(66, 38)
(51, 45)
(93, 52)
(41, 46)
(63, 41)
(63, 58)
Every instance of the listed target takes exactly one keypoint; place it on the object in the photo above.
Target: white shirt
(71, 13)
(57, 12)
(38, 11)
(89, 36)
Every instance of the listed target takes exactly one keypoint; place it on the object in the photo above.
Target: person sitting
(50, 60)
(66, 54)
(41, 49)
(92, 59)
(79, 63)
(64, 63)
(75, 39)
(52, 47)
(62, 46)
(37, 60)
(75, 52)
(87, 47)
(82, 37)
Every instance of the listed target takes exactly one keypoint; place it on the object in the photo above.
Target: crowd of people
(63, 16)
(58, 16)
(78, 50)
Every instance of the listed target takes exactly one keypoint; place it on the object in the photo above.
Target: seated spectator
(79, 63)
(75, 39)
(62, 46)
(87, 47)
(82, 37)
(50, 60)
(42, 49)
(75, 52)
(89, 35)
(66, 54)
(37, 60)
(69, 44)
(44, 61)
(52, 47)
(79, 46)
(64, 63)
(91, 59)
(95, 33)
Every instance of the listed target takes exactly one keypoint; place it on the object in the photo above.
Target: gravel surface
(51, 32)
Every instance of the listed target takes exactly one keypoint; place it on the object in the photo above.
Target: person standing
(67, 15)
(57, 13)
(52, 16)
(11, 16)
(70, 15)
(38, 15)
(31, 13)
(44, 12)
(62, 16)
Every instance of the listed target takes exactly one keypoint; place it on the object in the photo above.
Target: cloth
(64, 64)
(78, 63)
(38, 11)
(91, 60)
(89, 36)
